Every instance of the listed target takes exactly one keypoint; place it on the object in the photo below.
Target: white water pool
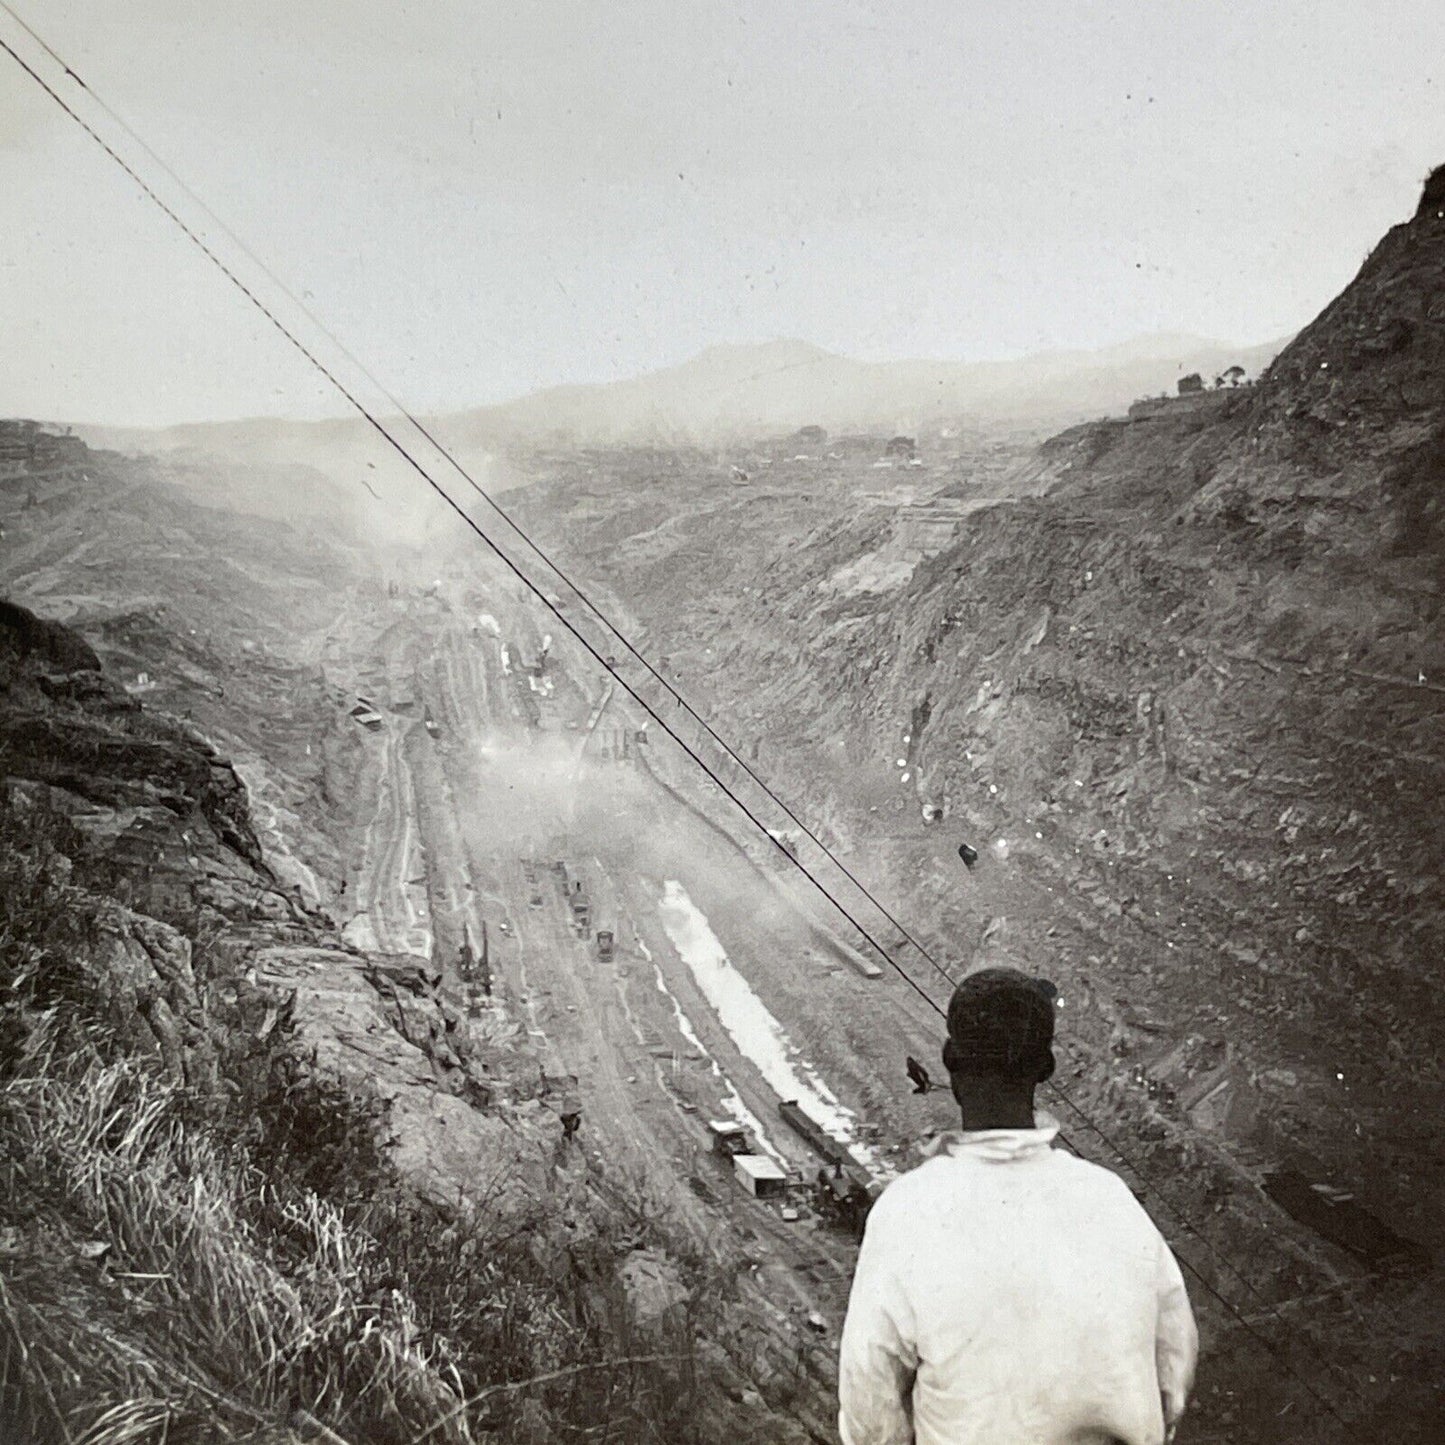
(732, 1102)
(754, 1029)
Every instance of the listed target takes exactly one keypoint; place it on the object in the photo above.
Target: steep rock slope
(1180, 681)
(1214, 648)
(1196, 691)
(1211, 653)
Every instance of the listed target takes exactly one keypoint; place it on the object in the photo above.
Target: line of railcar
(844, 1191)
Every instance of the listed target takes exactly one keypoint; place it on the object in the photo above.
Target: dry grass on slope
(137, 1297)
(179, 1267)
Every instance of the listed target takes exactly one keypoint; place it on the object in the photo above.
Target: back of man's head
(1001, 1026)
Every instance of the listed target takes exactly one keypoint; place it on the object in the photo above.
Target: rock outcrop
(26, 637)
(160, 851)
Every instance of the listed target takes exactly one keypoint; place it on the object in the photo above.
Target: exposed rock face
(144, 970)
(56, 648)
(125, 767)
(1197, 686)
(158, 818)
(1367, 376)
(383, 1026)
(83, 735)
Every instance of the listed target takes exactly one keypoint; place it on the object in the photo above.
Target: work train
(844, 1191)
(840, 1193)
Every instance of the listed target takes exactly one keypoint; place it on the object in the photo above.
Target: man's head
(1001, 1029)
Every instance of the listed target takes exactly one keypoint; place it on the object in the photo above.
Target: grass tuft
(246, 1267)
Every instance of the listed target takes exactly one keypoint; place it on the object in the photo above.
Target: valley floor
(431, 770)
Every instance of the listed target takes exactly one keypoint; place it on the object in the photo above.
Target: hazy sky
(481, 198)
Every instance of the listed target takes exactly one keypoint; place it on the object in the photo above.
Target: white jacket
(1008, 1293)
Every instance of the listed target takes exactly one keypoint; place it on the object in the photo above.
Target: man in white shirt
(1008, 1293)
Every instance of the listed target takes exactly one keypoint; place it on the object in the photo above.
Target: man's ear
(951, 1057)
(1050, 1064)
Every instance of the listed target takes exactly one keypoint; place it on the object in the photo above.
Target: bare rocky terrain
(1177, 676)
(294, 817)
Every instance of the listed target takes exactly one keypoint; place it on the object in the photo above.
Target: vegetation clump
(227, 1254)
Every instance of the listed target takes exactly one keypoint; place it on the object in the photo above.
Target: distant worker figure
(1006, 1292)
(919, 1076)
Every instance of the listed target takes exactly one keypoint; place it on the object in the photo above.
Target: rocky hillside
(255, 1182)
(1207, 668)
(1179, 679)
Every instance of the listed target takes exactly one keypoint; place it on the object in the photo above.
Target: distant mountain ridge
(742, 392)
